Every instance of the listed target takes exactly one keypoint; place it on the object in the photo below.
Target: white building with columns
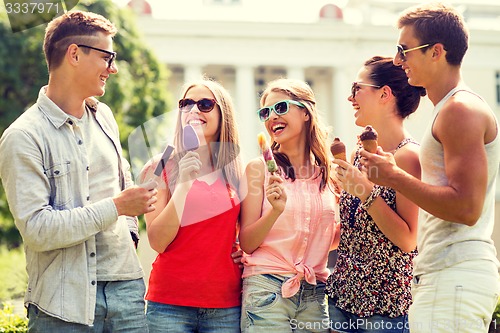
(326, 51)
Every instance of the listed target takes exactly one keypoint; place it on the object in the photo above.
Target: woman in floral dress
(369, 289)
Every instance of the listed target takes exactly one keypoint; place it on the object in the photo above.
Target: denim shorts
(460, 298)
(120, 307)
(265, 310)
(345, 322)
(184, 319)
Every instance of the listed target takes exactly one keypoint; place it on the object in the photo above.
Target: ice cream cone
(370, 145)
(338, 149)
(369, 138)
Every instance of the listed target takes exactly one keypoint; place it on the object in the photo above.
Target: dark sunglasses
(112, 55)
(280, 108)
(355, 87)
(204, 104)
(402, 52)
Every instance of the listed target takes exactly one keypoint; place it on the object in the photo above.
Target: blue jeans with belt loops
(185, 319)
(120, 307)
(264, 309)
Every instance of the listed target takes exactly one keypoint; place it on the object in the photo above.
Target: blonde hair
(316, 140)
(226, 157)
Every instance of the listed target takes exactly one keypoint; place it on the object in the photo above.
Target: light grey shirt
(441, 243)
(61, 213)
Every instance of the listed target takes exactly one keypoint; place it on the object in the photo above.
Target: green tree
(136, 94)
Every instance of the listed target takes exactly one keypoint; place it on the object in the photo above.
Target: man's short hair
(75, 27)
(438, 23)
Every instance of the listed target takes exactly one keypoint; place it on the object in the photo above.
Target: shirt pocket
(60, 185)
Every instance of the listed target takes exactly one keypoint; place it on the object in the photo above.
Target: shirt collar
(54, 113)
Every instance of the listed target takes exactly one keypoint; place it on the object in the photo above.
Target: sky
(300, 11)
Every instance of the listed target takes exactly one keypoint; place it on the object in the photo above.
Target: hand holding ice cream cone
(368, 139)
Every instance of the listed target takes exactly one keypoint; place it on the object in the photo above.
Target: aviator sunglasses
(204, 105)
(280, 108)
(112, 55)
(402, 52)
(355, 87)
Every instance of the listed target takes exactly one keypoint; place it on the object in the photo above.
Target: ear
(72, 54)
(306, 115)
(386, 93)
(438, 51)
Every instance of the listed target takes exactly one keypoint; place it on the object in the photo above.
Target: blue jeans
(265, 310)
(345, 322)
(183, 319)
(119, 308)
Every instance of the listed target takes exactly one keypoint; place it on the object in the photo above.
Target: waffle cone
(370, 145)
(341, 156)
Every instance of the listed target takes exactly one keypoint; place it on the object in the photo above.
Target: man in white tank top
(456, 283)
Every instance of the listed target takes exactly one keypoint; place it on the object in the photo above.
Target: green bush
(495, 323)
(10, 322)
(14, 279)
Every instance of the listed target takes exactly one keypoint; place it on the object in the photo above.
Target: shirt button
(92, 254)
(88, 168)
(92, 283)
(71, 122)
(88, 198)
(80, 142)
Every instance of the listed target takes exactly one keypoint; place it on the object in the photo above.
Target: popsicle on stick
(190, 139)
(163, 161)
(267, 153)
(369, 138)
(338, 149)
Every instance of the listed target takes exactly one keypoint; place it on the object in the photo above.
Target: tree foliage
(137, 93)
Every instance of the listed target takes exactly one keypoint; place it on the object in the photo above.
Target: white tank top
(443, 243)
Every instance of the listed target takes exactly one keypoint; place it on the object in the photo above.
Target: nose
(397, 61)
(113, 69)
(274, 115)
(194, 109)
(350, 98)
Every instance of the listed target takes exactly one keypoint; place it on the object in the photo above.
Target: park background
(243, 44)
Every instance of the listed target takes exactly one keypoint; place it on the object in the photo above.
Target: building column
(295, 73)
(342, 117)
(246, 116)
(192, 72)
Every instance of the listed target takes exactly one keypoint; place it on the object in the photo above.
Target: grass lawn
(13, 277)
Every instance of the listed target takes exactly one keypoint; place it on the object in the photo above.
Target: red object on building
(331, 11)
(140, 7)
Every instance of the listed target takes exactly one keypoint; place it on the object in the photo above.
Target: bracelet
(371, 198)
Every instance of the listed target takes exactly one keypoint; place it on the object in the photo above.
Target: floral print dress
(372, 275)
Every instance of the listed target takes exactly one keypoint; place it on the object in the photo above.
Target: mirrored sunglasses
(204, 104)
(280, 108)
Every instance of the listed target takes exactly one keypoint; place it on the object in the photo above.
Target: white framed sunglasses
(280, 108)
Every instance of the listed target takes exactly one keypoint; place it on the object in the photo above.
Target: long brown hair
(316, 140)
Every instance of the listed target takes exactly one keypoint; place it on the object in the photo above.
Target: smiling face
(94, 70)
(291, 124)
(205, 124)
(416, 61)
(365, 101)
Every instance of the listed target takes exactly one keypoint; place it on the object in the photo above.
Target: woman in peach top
(287, 219)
